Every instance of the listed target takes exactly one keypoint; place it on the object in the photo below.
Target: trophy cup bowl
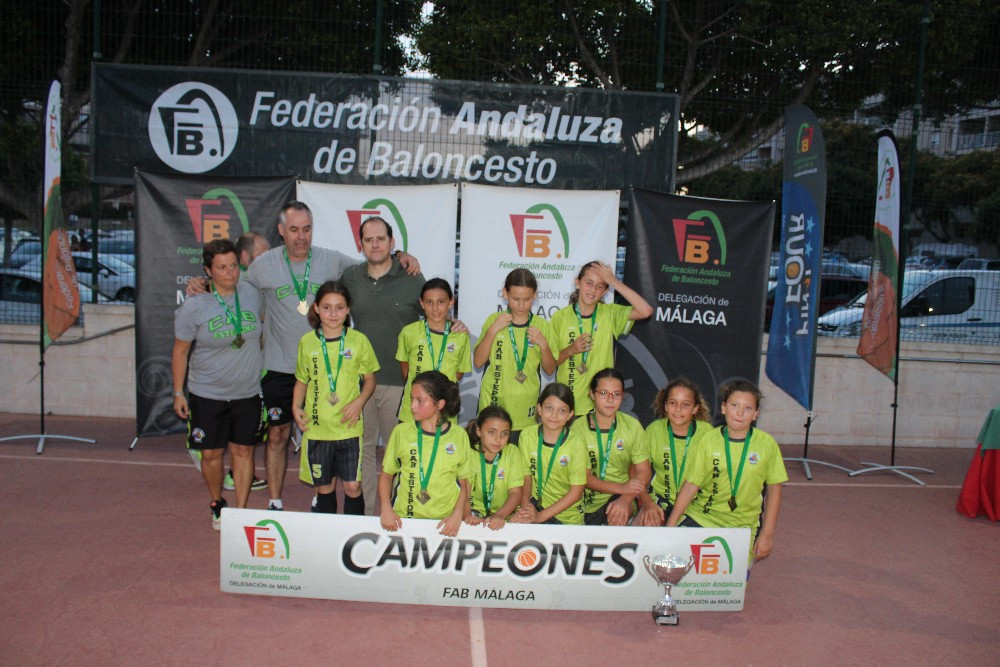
(667, 570)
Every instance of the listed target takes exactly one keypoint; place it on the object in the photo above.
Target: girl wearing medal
(682, 419)
(497, 470)
(334, 377)
(426, 470)
(555, 461)
(430, 344)
(221, 330)
(585, 331)
(726, 474)
(618, 465)
(514, 346)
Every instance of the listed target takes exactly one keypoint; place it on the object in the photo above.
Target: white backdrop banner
(550, 232)
(423, 220)
(337, 557)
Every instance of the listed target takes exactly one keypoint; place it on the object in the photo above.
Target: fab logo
(805, 138)
(708, 556)
(540, 232)
(384, 209)
(214, 215)
(267, 539)
(193, 127)
(694, 239)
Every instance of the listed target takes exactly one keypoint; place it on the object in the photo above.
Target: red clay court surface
(109, 558)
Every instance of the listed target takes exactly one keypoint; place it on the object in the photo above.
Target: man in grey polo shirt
(384, 299)
(288, 277)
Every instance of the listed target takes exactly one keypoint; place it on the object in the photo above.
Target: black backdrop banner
(177, 215)
(703, 265)
(367, 130)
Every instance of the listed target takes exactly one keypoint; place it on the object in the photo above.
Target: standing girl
(682, 419)
(724, 484)
(429, 459)
(618, 466)
(497, 479)
(430, 344)
(334, 377)
(555, 460)
(585, 331)
(513, 346)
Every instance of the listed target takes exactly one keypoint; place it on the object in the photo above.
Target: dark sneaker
(216, 508)
(258, 484)
(273, 508)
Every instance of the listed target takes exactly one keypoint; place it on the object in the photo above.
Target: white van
(938, 306)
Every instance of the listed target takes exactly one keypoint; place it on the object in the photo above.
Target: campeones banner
(177, 216)
(299, 554)
(377, 130)
(703, 264)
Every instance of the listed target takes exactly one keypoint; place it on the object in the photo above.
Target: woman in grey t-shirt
(221, 330)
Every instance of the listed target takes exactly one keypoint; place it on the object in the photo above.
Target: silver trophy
(667, 570)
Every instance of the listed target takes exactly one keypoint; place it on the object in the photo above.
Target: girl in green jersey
(497, 475)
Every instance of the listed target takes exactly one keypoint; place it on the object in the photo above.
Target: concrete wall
(945, 390)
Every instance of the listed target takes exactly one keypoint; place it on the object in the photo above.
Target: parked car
(834, 290)
(25, 251)
(115, 278)
(20, 294)
(979, 264)
(945, 306)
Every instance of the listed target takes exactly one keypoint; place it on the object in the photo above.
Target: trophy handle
(689, 565)
(647, 561)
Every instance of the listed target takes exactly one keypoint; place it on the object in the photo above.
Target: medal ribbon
(326, 358)
(488, 492)
(430, 345)
(552, 459)
(735, 485)
(679, 474)
(236, 319)
(301, 290)
(424, 478)
(579, 323)
(604, 456)
(518, 359)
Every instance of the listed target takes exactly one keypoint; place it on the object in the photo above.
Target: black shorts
(213, 424)
(277, 389)
(664, 504)
(333, 459)
(688, 522)
(538, 508)
(599, 517)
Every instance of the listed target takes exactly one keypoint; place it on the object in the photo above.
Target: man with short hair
(249, 247)
(384, 300)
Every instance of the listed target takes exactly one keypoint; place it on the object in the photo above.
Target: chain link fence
(734, 63)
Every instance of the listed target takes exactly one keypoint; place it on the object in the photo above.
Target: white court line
(846, 485)
(876, 486)
(477, 637)
(51, 459)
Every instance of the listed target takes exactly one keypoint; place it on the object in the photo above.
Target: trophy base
(665, 619)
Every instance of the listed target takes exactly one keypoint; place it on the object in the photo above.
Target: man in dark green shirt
(384, 299)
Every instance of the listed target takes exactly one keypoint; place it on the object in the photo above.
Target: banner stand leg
(805, 460)
(42, 437)
(892, 467)
(135, 442)
(872, 467)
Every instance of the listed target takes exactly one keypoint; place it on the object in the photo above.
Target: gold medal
(423, 496)
(333, 399)
(732, 504)
(303, 308)
(238, 343)
(521, 377)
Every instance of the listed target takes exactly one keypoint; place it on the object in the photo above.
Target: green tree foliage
(734, 63)
(47, 39)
